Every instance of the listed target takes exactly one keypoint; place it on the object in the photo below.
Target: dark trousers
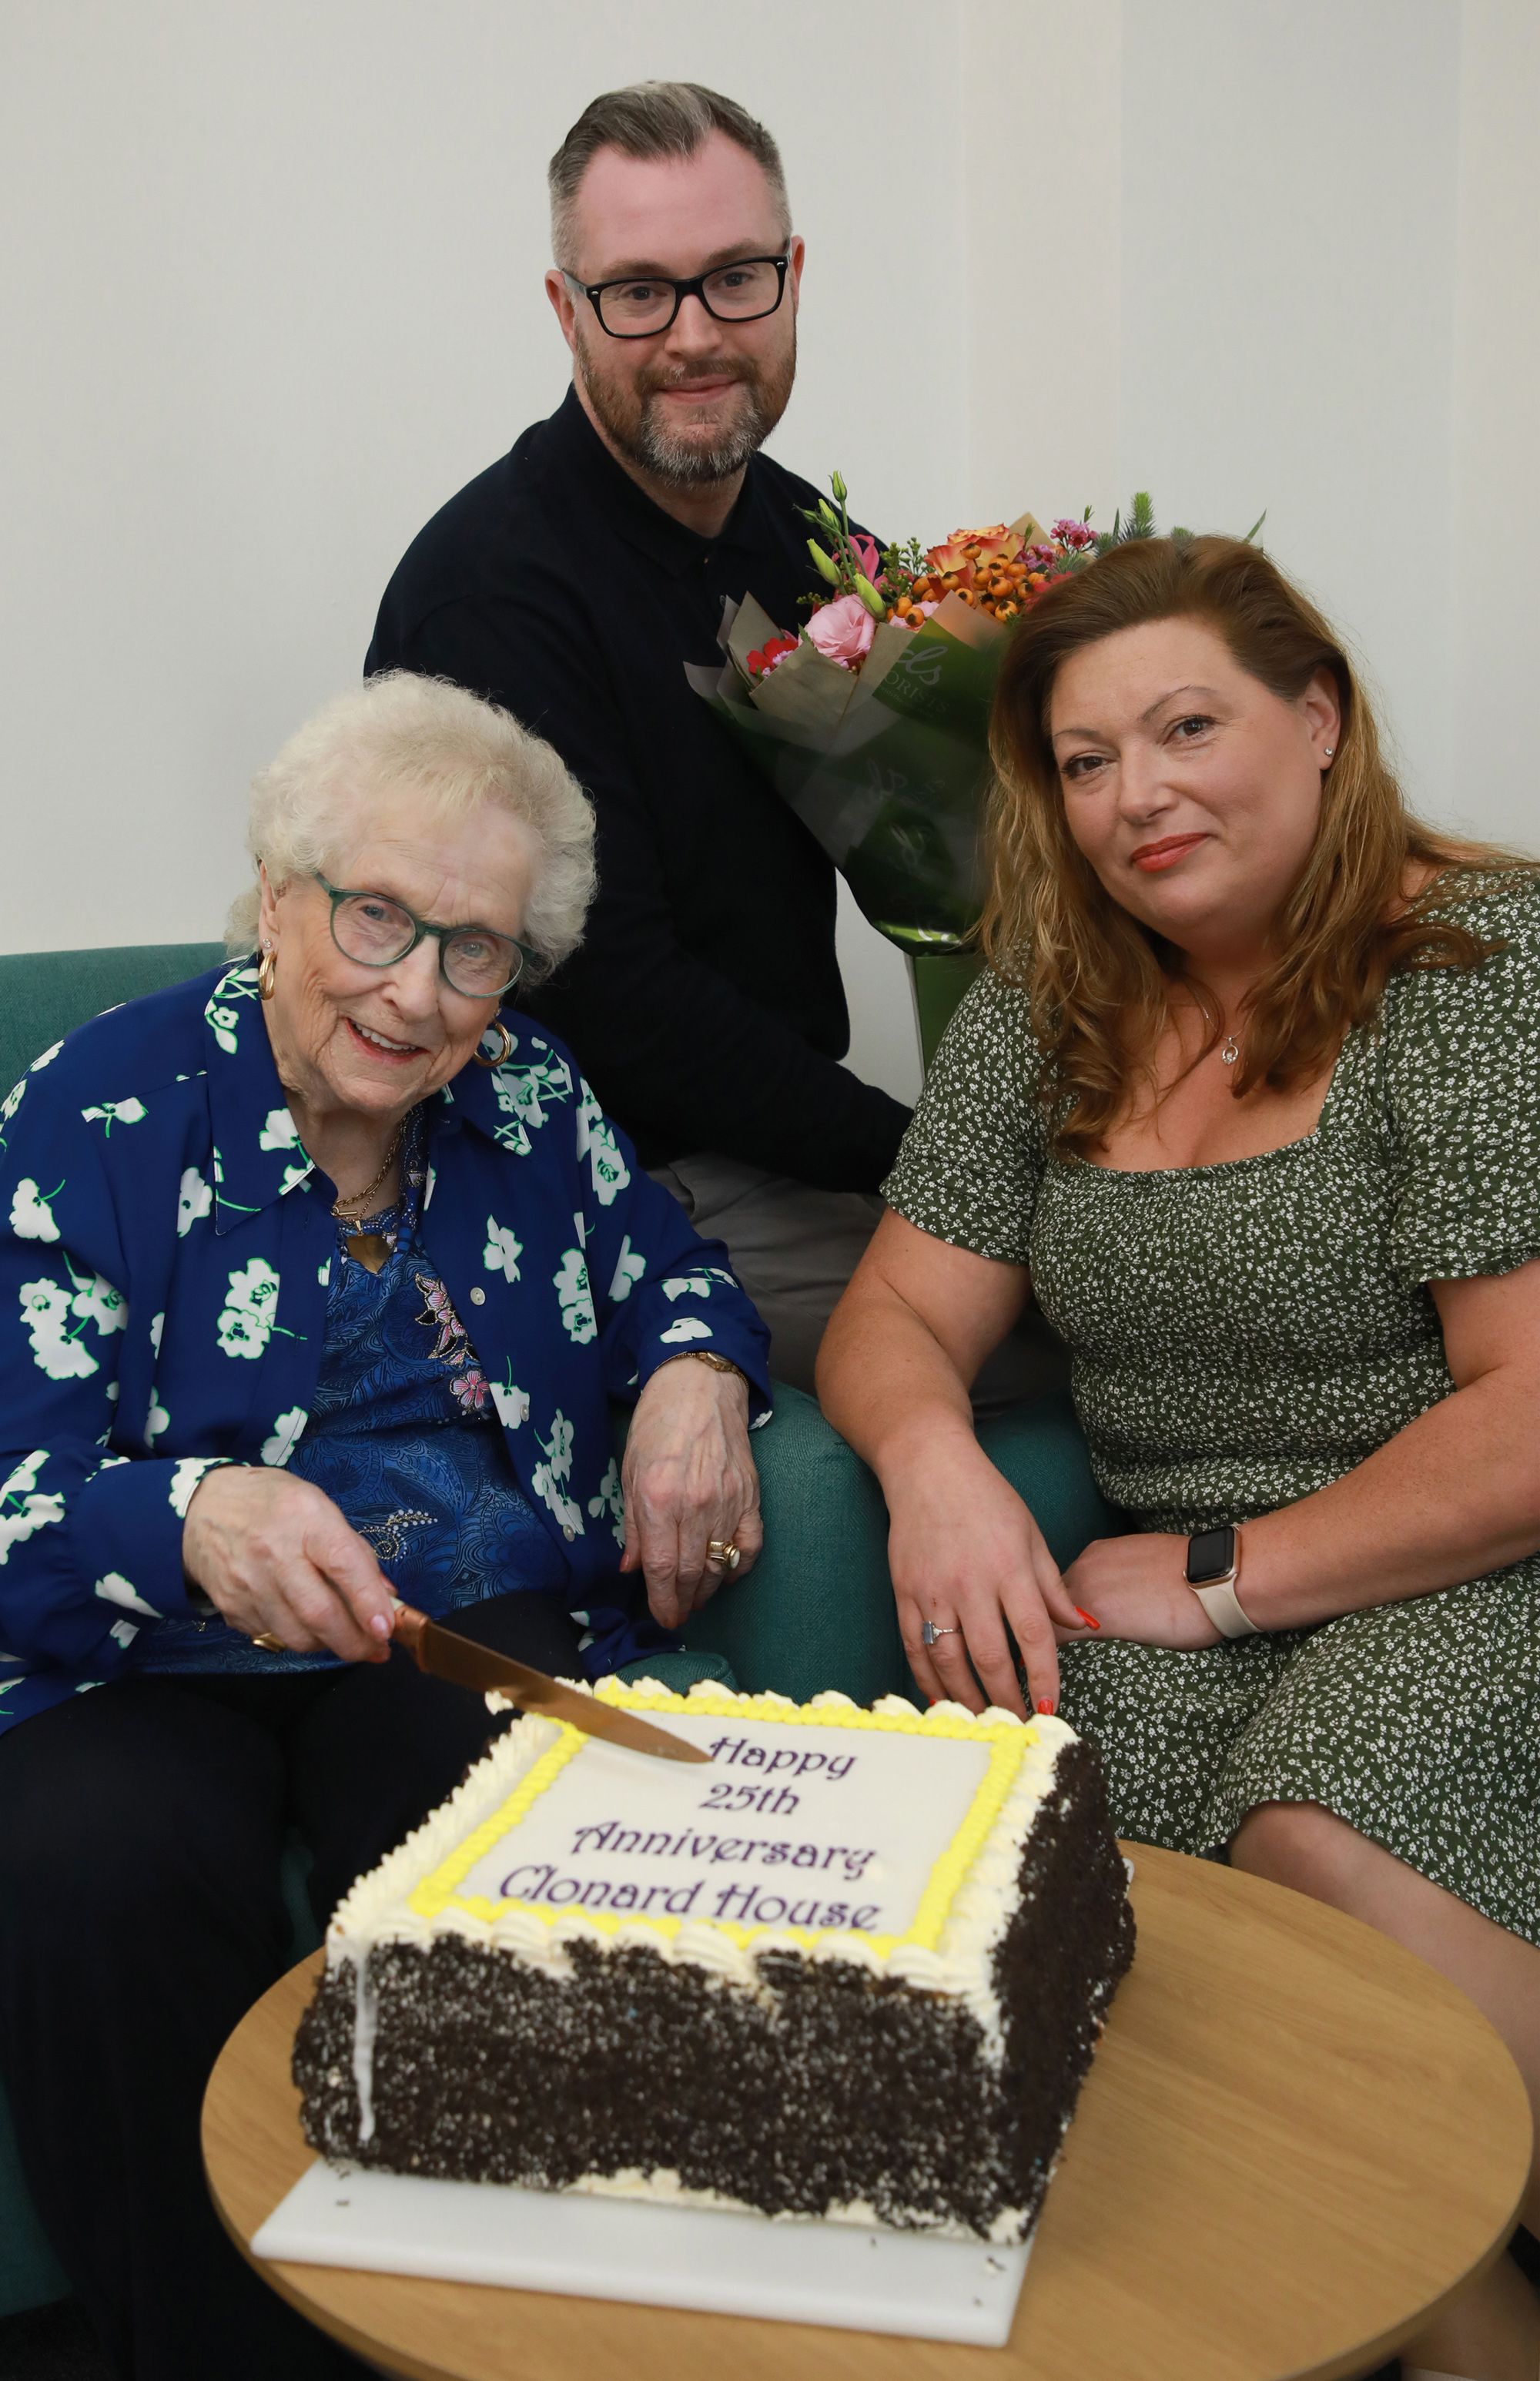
(140, 1916)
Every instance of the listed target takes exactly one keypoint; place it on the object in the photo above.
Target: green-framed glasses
(378, 932)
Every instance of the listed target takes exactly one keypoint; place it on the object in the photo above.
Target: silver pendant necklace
(1229, 1048)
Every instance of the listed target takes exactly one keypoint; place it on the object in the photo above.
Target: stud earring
(1330, 750)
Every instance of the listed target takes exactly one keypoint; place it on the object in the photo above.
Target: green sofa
(816, 1612)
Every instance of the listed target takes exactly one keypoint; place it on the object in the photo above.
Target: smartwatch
(1213, 1570)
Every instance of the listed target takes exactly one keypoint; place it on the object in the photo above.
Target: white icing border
(961, 1966)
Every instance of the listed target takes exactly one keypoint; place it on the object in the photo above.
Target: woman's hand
(688, 1478)
(966, 1555)
(1137, 1587)
(276, 1558)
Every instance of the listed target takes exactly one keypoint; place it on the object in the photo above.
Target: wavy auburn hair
(1098, 981)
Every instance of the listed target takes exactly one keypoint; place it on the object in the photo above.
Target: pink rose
(843, 630)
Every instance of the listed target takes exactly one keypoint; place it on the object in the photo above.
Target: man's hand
(1137, 1587)
(276, 1558)
(688, 1478)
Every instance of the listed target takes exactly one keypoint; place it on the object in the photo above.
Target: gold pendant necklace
(369, 1248)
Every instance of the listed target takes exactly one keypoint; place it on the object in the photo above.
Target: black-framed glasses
(644, 304)
(378, 932)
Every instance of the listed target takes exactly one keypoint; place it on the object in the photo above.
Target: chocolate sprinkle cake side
(826, 2088)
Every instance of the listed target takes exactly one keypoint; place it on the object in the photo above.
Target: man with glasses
(571, 583)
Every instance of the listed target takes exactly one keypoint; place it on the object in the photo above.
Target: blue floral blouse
(173, 1296)
(404, 1438)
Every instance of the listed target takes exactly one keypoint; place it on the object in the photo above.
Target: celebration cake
(855, 1969)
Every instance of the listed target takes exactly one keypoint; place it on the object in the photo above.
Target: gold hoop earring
(267, 972)
(503, 1055)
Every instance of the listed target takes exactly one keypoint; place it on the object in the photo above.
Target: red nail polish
(1089, 1617)
(1046, 1708)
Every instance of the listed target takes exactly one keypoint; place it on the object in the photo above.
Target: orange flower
(973, 557)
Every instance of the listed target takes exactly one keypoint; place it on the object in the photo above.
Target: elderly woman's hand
(689, 1478)
(276, 1558)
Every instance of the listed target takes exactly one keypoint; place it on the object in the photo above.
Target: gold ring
(269, 1643)
(723, 1551)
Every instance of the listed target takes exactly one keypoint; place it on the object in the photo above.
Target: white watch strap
(1223, 1607)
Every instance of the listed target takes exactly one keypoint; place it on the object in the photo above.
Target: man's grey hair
(449, 753)
(653, 119)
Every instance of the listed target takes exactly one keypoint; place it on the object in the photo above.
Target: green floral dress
(1243, 1333)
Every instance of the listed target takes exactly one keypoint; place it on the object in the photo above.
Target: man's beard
(633, 423)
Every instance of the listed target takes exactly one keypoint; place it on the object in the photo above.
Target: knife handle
(407, 1626)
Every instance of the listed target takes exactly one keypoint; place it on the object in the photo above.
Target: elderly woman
(319, 1280)
(1248, 1097)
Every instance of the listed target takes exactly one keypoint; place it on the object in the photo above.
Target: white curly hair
(422, 736)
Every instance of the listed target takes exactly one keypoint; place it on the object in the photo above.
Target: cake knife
(445, 1653)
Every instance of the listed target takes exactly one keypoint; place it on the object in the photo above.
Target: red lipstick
(1151, 857)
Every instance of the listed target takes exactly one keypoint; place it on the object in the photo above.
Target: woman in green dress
(1249, 1099)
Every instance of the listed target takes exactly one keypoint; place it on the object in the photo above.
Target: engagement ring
(929, 1632)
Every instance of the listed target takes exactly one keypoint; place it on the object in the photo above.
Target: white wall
(277, 294)
(1496, 545)
(1288, 178)
(1042, 90)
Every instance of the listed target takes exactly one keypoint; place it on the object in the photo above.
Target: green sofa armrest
(44, 995)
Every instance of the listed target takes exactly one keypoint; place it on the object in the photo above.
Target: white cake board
(713, 2260)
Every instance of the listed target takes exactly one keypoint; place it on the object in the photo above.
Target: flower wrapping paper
(887, 766)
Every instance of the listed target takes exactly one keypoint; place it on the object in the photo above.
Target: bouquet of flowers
(871, 720)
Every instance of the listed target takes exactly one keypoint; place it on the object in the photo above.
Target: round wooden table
(1297, 2141)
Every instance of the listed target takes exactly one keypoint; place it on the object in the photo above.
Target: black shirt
(705, 1002)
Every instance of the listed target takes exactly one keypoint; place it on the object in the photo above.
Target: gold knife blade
(445, 1653)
